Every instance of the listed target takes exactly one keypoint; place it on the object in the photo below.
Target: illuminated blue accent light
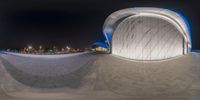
(106, 41)
(108, 36)
(198, 51)
(187, 24)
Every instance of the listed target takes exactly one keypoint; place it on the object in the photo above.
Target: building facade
(147, 34)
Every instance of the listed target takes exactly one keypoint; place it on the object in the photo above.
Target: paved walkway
(99, 77)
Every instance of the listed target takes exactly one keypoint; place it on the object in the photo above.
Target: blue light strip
(197, 51)
(187, 24)
(108, 40)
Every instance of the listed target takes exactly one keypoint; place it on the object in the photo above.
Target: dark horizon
(74, 23)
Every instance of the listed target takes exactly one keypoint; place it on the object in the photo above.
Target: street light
(68, 47)
(30, 47)
(40, 47)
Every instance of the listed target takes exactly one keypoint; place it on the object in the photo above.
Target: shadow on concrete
(72, 80)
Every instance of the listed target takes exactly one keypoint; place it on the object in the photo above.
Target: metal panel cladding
(147, 34)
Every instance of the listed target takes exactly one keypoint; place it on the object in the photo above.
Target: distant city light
(40, 47)
(46, 50)
(63, 49)
(30, 47)
(68, 47)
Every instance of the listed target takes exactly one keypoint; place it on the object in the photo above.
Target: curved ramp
(105, 78)
(49, 72)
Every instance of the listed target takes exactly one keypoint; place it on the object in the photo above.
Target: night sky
(77, 23)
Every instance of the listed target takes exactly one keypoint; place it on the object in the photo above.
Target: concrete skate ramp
(109, 77)
(48, 71)
(126, 77)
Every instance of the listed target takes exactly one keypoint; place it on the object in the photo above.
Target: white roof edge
(108, 26)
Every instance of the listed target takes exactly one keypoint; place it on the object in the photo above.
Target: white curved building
(147, 34)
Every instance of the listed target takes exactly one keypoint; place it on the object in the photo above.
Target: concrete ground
(92, 76)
